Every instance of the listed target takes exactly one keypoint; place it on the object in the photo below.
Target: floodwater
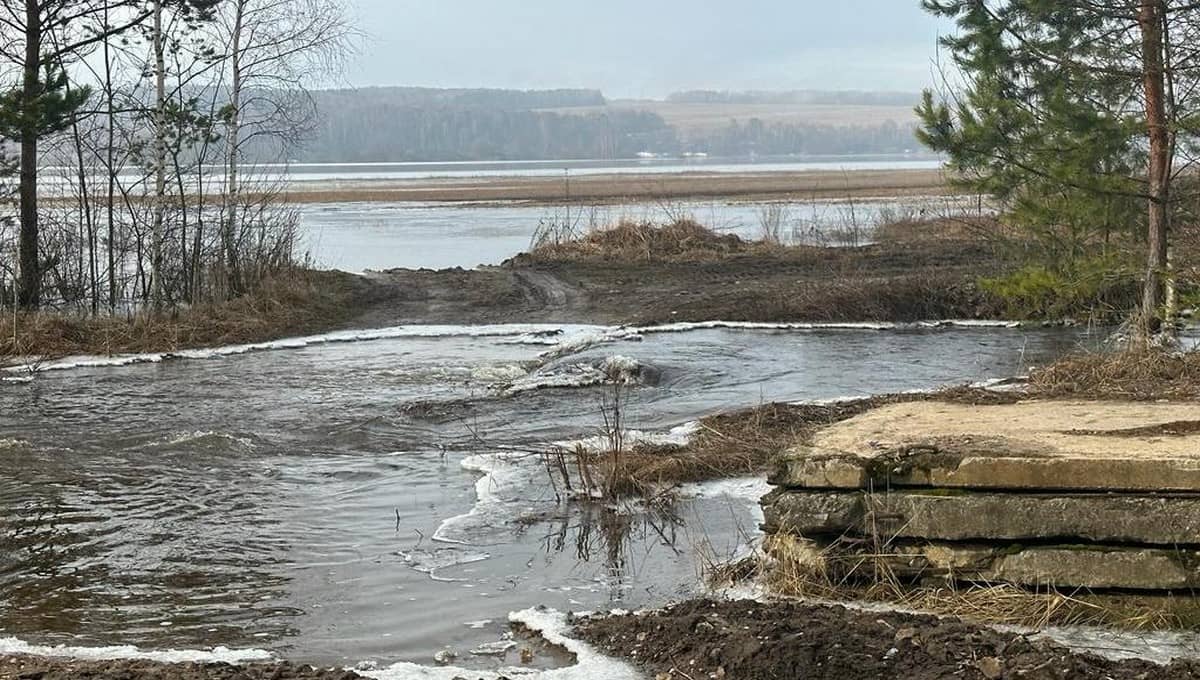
(361, 236)
(302, 176)
(369, 501)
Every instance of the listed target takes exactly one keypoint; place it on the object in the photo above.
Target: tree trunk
(160, 161)
(29, 287)
(110, 209)
(232, 188)
(1150, 19)
(91, 281)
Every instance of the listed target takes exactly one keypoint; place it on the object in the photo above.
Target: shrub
(1099, 288)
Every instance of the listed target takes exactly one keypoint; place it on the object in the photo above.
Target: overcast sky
(646, 48)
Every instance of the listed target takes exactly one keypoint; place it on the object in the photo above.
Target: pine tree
(52, 33)
(1075, 114)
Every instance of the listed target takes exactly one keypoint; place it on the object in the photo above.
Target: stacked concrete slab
(1092, 495)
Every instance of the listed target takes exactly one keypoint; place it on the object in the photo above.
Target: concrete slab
(1036, 445)
(1065, 567)
(1091, 567)
(960, 516)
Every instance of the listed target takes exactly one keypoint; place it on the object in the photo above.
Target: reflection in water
(616, 538)
(286, 499)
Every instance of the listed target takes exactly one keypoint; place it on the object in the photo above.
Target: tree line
(126, 127)
(824, 97)
(359, 127)
(426, 124)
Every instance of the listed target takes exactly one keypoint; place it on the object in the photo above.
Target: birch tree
(274, 48)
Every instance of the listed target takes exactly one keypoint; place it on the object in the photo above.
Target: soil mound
(750, 640)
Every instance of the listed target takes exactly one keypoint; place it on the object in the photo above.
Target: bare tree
(274, 48)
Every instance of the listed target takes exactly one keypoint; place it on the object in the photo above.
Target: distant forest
(425, 124)
(848, 97)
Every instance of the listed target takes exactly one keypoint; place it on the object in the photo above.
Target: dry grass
(1146, 374)
(794, 567)
(629, 241)
(940, 229)
(293, 303)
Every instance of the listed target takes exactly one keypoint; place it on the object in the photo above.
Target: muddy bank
(750, 640)
(911, 273)
(887, 281)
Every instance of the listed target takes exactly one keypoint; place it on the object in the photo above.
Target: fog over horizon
(646, 50)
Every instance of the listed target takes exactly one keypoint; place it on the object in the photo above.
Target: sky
(646, 48)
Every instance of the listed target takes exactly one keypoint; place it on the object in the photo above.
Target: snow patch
(679, 435)
(430, 561)
(336, 337)
(12, 645)
(502, 373)
(744, 488)
(501, 472)
(586, 338)
(614, 370)
(748, 490)
(552, 626)
(1161, 647)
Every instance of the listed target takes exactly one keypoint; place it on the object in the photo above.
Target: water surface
(289, 499)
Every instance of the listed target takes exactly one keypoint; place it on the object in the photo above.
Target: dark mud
(782, 641)
(883, 282)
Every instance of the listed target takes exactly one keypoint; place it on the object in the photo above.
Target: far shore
(610, 188)
(619, 187)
